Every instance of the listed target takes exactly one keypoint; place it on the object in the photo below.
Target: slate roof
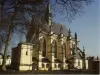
(57, 27)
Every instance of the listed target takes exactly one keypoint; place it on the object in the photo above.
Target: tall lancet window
(64, 50)
(44, 47)
(54, 48)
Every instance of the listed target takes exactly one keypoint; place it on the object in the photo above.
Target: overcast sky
(87, 28)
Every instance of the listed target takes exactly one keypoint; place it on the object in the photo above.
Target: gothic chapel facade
(55, 49)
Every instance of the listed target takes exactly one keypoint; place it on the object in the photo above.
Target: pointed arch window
(64, 50)
(44, 48)
(54, 48)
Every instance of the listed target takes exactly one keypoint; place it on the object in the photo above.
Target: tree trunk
(9, 37)
(6, 46)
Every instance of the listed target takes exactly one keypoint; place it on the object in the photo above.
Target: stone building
(8, 60)
(22, 57)
(53, 48)
(94, 63)
(1, 58)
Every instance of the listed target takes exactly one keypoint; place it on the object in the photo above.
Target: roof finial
(61, 29)
(75, 35)
(69, 32)
(83, 49)
(97, 57)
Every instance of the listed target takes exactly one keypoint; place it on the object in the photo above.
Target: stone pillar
(64, 64)
(86, 64)
(40, 60)
(52, 64)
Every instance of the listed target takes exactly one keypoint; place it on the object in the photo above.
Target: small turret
(84, 52)
(61, 31)
(83, 49)
(97, 58)
(69, 35)
(75, 36)
(69, 32)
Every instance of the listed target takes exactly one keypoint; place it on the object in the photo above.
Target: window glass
(54, 48)
(44, 47)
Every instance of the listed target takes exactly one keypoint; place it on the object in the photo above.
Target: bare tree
(3, 34)
(12, 14)
(68, 7)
